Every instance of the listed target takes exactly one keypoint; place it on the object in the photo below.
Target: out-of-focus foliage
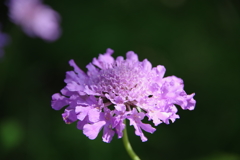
(198, 41)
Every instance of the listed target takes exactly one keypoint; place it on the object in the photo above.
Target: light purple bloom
(113, 90)
(36, 19)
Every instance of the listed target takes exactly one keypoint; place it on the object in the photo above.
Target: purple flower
(113, 90)
(36, 19)
(4, 38)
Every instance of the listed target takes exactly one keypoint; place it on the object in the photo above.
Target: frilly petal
(147, 128)
(104, 59)
(92, 130)
(82, 112)
(59, 101)
(77, 69)
(119, 129)
(73, 86)
(81, 124)
(146, 65)
(69, 116)
(159, 71)
(132, 56)
(108, 134)
(94, 115)
(120, 107)
(92, 70)
(190, 102)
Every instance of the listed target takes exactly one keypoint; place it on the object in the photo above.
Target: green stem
(127, 144)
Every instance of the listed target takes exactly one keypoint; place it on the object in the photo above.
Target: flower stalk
(127, 144)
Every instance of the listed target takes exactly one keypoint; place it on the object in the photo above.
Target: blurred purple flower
(4, 38)
(114, 90)
(35, 18)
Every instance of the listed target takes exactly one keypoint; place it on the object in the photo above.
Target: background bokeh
(198, 41)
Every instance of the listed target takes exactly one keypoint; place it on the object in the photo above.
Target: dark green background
(198, 41)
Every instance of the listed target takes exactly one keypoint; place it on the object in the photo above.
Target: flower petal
(82, 112)
(69, 116)
(132, 56)
(104, 60)
(108, 134)
(59, 101)
(94, 115)
(92, 130)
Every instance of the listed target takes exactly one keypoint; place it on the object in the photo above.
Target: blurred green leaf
(11, 134)
(221, 156)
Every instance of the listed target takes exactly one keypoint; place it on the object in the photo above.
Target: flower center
(126, 81)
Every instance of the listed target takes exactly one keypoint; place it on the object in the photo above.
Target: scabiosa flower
(35, 18)
(113, 90)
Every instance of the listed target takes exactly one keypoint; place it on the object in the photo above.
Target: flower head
(113, 90)
(35, 18)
